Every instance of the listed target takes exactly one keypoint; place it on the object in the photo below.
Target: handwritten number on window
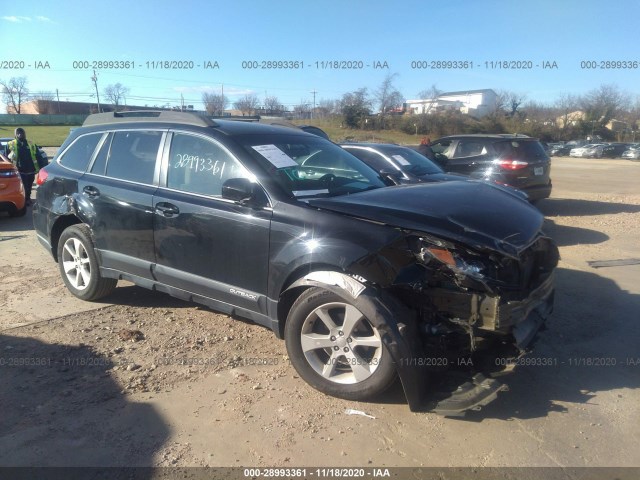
(199, 164)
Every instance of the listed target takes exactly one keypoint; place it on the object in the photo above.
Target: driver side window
(441, 148)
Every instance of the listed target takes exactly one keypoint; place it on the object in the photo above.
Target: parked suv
(364, 282)
(515, 160)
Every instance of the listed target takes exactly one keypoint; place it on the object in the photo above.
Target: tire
(19, 213)
(78, 265)
(347, 362)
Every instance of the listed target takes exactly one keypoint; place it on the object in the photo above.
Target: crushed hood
(474, 213)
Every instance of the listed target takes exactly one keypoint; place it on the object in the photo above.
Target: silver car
(632, 153)
(590, 150)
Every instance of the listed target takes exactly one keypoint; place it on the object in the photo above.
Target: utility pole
(314, 103)
(58, 96)
(95, 82)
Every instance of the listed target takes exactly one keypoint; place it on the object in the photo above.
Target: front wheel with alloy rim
(335, 348)
(79, 265)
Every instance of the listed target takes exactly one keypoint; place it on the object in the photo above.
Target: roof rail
(148, 116)
(240, 118)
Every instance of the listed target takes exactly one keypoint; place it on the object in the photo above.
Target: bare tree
(115, 93)
(247, 104)
(431, 93)
(215, 103)
(43, 95)
(565, 105)
(604, 103)
(514, 101)
(272, 105)
(14, 93)
(632, 117)
(388, 96)
(508, 102)
(302, 110)
(326, 108)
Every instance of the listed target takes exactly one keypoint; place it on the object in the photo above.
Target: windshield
(309, 166)
(412, 161)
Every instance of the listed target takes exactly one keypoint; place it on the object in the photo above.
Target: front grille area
(533, 267)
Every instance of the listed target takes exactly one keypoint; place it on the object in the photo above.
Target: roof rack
(148, 116)
(239, 118)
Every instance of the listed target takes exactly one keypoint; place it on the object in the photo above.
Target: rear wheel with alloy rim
(335, 348)
(79, 265)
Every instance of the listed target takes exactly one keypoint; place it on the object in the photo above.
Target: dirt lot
(147, 380)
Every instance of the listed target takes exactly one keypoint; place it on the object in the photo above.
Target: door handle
(91, 191)
(167, 209)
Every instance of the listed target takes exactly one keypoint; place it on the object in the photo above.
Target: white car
(632, 153)
(590, 150)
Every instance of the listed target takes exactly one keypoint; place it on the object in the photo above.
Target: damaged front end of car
(476, 310)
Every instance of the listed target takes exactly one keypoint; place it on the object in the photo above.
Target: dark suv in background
(515, 160)
(364, 282)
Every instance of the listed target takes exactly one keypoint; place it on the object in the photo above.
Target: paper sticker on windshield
(400, 159)
(277, 157)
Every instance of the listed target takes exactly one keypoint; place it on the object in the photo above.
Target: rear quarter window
(79, 154)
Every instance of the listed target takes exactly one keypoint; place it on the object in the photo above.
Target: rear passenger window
(198, 165)
(78, 155)
(132, 156)
(470, 148)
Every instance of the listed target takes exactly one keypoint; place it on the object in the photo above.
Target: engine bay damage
(474, 311)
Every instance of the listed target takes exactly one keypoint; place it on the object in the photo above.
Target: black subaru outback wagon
(364, 282)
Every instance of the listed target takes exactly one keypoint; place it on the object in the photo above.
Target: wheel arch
(293, 288)
(60, 225)
(396, 323)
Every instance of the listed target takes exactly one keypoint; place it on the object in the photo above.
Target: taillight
(511, 164)
(42, 176)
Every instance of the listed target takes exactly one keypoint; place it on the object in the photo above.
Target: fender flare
(395, 322)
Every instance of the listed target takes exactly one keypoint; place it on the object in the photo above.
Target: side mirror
(244, 192)
(238, 190)
(392, 176)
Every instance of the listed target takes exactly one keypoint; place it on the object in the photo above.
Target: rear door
(471, 156)
(116, 195)
(205, 244)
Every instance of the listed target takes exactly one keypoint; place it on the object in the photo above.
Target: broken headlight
(458, 260)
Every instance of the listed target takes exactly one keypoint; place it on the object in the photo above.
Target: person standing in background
(27, 158)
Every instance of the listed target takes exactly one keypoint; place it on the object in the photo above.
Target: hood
(473, 213)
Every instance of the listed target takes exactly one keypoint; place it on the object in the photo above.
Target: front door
(205, 244)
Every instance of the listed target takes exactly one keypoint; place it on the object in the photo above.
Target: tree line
(382, 109)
